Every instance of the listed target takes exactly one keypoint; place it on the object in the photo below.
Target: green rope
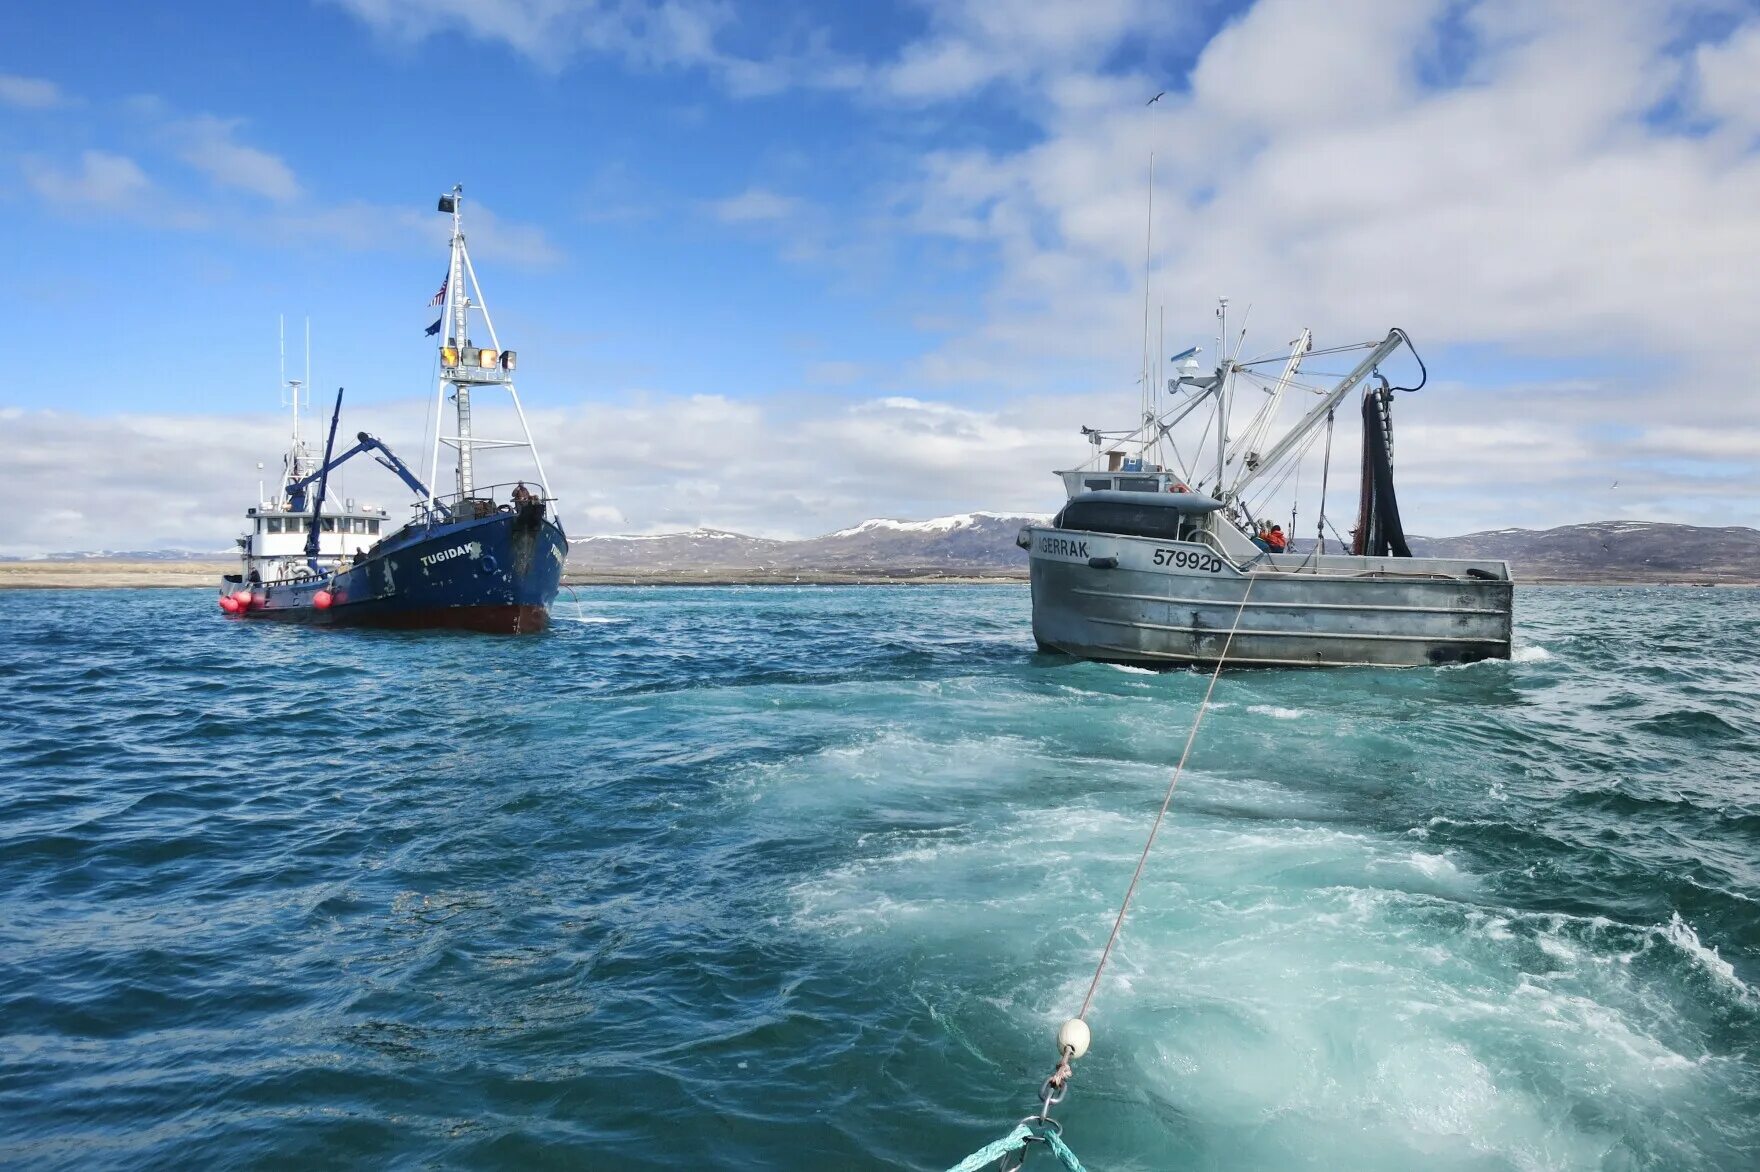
(1014, 1141)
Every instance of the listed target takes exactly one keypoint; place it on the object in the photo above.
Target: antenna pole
(1148, 263)
(281, 338)
(1221, 392)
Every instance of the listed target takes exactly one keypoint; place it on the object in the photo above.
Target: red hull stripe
(499, 619)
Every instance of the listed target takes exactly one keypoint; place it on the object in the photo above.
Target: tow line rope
(1074, 1036)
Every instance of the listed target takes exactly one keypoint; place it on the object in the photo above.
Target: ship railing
(484, 501)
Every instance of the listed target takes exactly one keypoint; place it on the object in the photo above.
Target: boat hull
(497, 574)
(1153, 603)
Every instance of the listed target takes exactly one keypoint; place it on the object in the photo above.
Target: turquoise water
(806, 878)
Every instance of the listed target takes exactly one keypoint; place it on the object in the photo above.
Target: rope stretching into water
(1041, 1128)
(1172, 784)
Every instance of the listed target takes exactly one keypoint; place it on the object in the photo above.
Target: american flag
(441, 296)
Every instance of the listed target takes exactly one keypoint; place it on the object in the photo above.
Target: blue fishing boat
(482, 558)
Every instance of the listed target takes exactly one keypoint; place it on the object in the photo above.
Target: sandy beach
(99, 574)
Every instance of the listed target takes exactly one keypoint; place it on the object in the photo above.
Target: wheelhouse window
(373, 527)
(274, 524)
(1139, 484)
(329, 525)
(1127, 520)
(360, 524)
(1101, 484)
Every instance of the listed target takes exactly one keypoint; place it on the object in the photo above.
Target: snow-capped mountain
(692, 549)
(965, 541)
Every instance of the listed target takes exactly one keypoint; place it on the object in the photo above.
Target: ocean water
(807, 878)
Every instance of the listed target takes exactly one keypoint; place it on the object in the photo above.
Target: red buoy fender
(227, 604)
(322, 599)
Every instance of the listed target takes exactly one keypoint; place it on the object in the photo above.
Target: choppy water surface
(806, 878)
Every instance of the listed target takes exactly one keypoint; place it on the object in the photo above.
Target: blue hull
(498, 573)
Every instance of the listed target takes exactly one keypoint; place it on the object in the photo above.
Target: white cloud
(970, 44)
(783, 466)
(974, 43)
(30, 93)
(101, 180)
(208, 144)
(666, 35)
(1728, 77)
(755, 205)
(370, 227)
(1508, 179)
(1539, 208)
(799, 465)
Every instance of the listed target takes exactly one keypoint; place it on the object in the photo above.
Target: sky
(779, 268)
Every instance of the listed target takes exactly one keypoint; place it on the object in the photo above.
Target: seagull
(1154, 99)
(1615, 484)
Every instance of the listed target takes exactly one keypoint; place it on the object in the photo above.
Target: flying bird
(1154, 99)
(1615, 484)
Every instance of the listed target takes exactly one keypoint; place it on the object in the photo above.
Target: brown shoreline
(99, 574)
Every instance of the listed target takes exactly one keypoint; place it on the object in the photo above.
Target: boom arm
(323, 478)
(296, 490)
(1393, 341)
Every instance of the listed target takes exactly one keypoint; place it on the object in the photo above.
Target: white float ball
(1073, 1037)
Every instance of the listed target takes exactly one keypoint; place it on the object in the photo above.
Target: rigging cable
(1325, 475)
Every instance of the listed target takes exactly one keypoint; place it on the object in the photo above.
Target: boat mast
(459, 307)
(463, 365)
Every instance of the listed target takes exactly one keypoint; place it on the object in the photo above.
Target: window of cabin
(1125, 519)
(274, 524)
(329, 525)
(373, 527)
(360, 524)
(1139, 484)
(1104, 482)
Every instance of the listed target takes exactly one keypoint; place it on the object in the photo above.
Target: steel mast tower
(465, 365)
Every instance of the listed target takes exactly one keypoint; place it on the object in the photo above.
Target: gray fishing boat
(1149, 564)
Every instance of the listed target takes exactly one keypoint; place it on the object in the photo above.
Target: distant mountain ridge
(1637, 550)
(964, 541)
(980, 542)
(983, 543)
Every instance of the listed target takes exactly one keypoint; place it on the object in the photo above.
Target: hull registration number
(1188, 559)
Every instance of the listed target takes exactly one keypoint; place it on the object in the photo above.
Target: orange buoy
(227, 604)
(322, 599)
